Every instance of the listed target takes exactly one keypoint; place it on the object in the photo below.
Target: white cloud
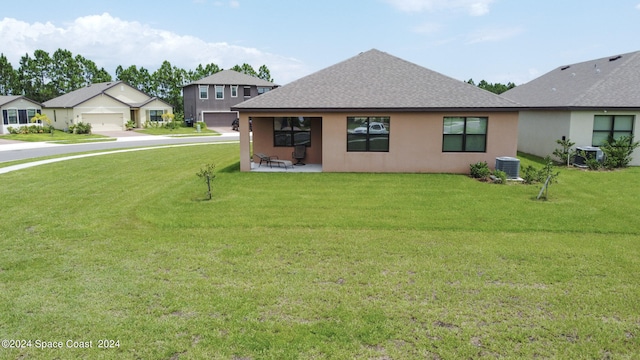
(473, 7)
(638, 6)
(110, 42)
(493, 35)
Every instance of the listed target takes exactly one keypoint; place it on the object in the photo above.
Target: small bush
(564, 153)
(532, 175)
(617, 152)
(480, 170)
(501, 177)
(80, 128)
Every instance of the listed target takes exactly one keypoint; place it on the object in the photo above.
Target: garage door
(104, 122)
(219, 119)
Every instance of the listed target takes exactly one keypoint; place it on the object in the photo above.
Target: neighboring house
(378, 113)
(585, 102)
(17, 111)
(210, 99)
(106, 106)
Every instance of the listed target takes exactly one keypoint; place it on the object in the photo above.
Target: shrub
(617, 152)
(501, 177)
(564, 153)
(532, 175)
(80, 128)
(480, 170)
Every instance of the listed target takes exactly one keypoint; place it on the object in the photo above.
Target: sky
(494, 40)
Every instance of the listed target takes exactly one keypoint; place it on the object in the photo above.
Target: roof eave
(382, 109)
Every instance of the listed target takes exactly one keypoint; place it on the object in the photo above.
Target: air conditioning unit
(591, 152)
(510, 165)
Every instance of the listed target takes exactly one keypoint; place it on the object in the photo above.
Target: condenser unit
(591, 152)
(510, 165)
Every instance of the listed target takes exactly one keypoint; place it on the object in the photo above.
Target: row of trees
(42, 77)
(496, 88)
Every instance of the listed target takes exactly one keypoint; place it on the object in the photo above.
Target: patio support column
(245, 143)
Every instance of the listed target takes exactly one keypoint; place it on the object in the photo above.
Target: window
(247, 91)
(262, 90)
(204, 91)
(155, 115)
(30, 114)
(465, 134)
(368, 133)
(611, 126)
(234, 90)
(219, 92)
(12, 116)
(292, 131)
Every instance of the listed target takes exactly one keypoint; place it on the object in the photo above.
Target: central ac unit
(591, 152)
(510, 165)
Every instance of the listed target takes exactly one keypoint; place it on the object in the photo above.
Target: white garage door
(104, 122)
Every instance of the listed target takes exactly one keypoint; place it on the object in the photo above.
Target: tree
(264, 73)
(245, 69)
(35, 76)
(138, 78)
(496, 88)
(168, 82)
(202, 72)
(8, 77)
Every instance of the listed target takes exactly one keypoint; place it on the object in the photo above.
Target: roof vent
(565, 67)
(615, 58)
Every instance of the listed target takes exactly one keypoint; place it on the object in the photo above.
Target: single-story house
(17, 111)
(378, 113)
(585, 102)
(210, 99)
(106, 106)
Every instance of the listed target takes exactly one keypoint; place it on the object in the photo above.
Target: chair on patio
(265, 158)
(299, 153)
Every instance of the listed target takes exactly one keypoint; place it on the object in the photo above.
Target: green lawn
(314, 266)
(181, 131)
(57, 136)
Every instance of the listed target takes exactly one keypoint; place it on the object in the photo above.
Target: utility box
(510, 165)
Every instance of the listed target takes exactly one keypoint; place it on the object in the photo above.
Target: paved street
(20, 150)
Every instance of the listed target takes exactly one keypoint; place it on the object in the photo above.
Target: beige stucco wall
(415, 143)
(539, 130)
(127, 94)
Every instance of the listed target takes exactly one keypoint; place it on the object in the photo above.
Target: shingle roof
(5, 99)
(376, 80)
(232, 77)
(608, 82)
(79, 96)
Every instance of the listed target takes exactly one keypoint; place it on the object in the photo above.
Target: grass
(58, 136)
(181, 131)
(328, 266)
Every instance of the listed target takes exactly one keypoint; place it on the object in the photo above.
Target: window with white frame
(155, 115)
(234, 90)
(219, 92)
(30, 114)
(12, 116)
(262, 90)
(204, 91)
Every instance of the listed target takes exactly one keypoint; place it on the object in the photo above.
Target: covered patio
(307, 168)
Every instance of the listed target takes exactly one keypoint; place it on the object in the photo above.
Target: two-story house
(210, 99)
